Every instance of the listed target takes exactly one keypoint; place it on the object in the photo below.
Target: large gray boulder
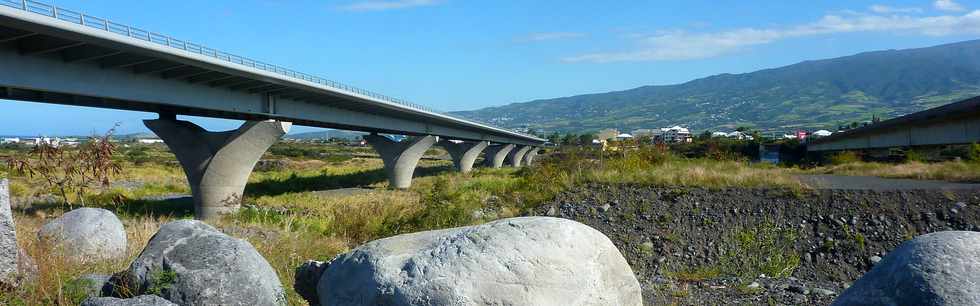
(86, 234)
(143, 300)
(191, 263)
(518, 261)
(8, 238)
(941, 268)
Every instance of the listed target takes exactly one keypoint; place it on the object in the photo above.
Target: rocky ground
(692, 246)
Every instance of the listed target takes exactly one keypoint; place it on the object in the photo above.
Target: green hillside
(810, 94)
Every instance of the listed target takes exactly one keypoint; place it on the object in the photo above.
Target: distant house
(150, 141)
(607, 134)
(10, 140)
(719, 134)
(740, 135)
(821, 133)
(675, 134)
(640, 133)
(623, 136)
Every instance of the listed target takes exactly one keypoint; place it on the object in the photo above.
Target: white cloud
(684, 45)
(885, 9)
(947, 5)
(545, 36)
(383, 5)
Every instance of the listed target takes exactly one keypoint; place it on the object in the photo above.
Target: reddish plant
(70, 170)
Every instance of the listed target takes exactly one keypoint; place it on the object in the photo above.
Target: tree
(585, 139)
(554, 138)
(704, 135)
(70, 171)
(569, 139)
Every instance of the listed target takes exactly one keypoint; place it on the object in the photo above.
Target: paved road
(828, 181)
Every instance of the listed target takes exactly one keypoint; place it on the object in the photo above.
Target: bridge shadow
(177, 206)
(362, 179)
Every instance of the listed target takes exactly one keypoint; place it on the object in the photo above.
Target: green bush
(973, 152)
(913, 155)
(764, 249)
(844, 157)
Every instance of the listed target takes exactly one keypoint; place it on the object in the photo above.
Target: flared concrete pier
(495, 155)
(516, 157)
(464, 153)
(400, 157)
(217, 164)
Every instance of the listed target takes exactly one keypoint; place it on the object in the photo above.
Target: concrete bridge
(54, 55)
(955, 123)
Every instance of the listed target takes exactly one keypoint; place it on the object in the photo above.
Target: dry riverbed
(693, 246)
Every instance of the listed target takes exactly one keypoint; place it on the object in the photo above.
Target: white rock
(86, 234)
(8, 238)
(518, 261)
(143, 300)
(941, 268)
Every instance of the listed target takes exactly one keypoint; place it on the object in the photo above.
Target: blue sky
(459, 55)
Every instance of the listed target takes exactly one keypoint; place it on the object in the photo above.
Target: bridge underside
(47, 60)
(50, 65)
(957, 123)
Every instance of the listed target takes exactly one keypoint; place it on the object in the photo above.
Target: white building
(740, 135)
(623, 136)
(10, 140)
(673, 134)
(150, 141)
(719, 134)
(822, 133)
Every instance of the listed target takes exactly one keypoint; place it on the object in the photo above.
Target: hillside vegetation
(813, 94)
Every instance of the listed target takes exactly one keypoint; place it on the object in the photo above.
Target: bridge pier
(530, 155)
(495, 155)
(517, 156)
(400, 158)
(464, 154)
(217, 164)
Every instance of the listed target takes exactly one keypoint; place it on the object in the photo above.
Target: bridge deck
(54, 55)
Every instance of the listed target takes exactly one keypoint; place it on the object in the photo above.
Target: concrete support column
(464, 153)
(495, 155)
(217, 164)
(517, 156)
(400, 158)
(530, 155)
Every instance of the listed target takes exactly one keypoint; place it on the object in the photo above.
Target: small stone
(798, 289)
(605, 207)
(552, 211)
(823, 292)
(874, 260)
(753, 285)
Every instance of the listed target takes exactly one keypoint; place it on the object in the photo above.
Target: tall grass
(959, 171)
(288, 221)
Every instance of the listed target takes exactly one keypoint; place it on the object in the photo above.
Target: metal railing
(83, 19)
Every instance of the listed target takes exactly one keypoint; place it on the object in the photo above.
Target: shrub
(70, 171)
(973, 152)
(913, 155)
(844, 157)
(764, 249)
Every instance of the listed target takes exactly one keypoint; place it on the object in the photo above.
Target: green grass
(289, 222)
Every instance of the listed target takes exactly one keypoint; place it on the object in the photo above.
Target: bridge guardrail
(107, 25)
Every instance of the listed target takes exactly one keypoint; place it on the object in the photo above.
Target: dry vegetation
(958, 171)
(289, 221)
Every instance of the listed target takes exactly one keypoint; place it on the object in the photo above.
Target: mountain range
(808, 95)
